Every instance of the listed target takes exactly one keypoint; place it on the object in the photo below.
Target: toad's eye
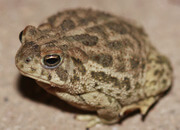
(20, 36)
(51, 61)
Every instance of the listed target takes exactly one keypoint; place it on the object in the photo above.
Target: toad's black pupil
(52, 60)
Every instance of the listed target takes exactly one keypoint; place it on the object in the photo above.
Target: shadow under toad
(29, 89)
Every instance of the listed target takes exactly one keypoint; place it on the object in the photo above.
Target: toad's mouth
(50, 88)
(44, 83)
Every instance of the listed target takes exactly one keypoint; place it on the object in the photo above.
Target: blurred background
(25, 106)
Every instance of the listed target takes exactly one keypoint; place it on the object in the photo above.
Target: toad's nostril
(27, 60)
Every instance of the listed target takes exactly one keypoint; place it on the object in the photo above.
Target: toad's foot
(143, 106)
(92, 120)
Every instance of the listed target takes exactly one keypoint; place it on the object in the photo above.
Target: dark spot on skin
(62, 74)
(95, 85)
(86, 39)
(50, 43)
(120, 44)
(128, 43)
(163, 60)
(100, 90)
(68, 38)
(143, 63)
(156, 72)
(164, 81)
(52, 19)
(78, 53)
(67, 24)
(121, 67)
(94, 97)
(64, 47)
(33, 69)
(134, 62)
(80, 65)
(99, 30)
(109, 99)
(42, 38)
(75, 79)
(102, 77)
(74, 71)
(103, 15)
(152, 83)
(32, 32)
(21, 66)
(84, 87)
(126, 83)
(119, 28)
(137, 39)
(29, 49)
(159, 73)
(137, 85)
(42, 72)
(110, 91)
(136, 75)
(36, 48)
(30, 44)
(85, 21)
(103, 59)
(128, 95)
(118, 94)
(141, 31)
(49, 77)
(115, 45)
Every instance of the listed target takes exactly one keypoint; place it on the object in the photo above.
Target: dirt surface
(25, 106)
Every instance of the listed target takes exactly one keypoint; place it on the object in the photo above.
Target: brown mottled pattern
(120, 44)
(78, 53)
(86, 39)
(119, 28)
(80, 65)
(134, 62)
(30, 49)
(102, 77)
(67, 24)
(104, 59)
(63, 75)
(99, 30)
(49, 77)
(126, 83)
(75, 79)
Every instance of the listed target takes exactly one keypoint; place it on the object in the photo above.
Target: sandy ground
(25, 106)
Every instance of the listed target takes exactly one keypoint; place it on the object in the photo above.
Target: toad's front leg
(107, 109)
